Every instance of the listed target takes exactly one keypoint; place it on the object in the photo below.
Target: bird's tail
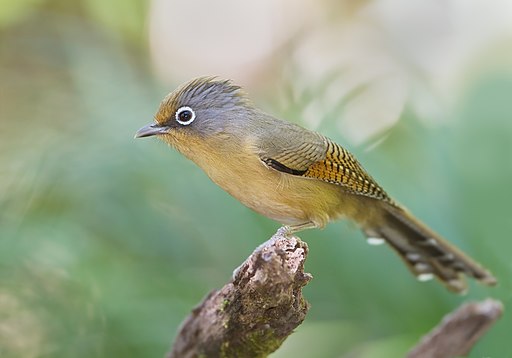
(425, 252)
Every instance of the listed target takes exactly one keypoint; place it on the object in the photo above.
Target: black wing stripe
(274, 164)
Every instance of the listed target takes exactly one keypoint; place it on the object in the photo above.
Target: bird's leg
(287, 230)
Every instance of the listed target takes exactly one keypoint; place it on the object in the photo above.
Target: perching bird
(296, 176)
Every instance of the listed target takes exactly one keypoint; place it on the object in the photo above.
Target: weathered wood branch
(253, 314)
(259, 308)
(458, 331)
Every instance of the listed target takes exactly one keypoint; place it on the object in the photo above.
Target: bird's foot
(287, 230)
(283, 231)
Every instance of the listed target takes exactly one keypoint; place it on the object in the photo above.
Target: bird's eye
(185, 115)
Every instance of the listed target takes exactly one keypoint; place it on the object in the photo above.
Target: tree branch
(458, 331)
(253, 314)
(259, 308)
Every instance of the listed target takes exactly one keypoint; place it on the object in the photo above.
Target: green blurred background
(107, 243)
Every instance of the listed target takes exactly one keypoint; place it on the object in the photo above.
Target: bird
(298, 177)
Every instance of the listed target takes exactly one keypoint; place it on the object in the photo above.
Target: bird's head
(200, 108)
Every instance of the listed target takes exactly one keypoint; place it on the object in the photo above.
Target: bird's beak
(150, 130)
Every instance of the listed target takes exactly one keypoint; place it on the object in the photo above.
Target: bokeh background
(106, 242)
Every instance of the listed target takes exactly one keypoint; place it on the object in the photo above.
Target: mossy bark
(252, 315)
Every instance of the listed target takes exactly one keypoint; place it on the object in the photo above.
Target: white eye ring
(184, 118)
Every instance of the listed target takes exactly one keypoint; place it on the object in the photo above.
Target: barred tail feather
(425, 252)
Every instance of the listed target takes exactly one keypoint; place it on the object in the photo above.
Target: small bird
(297, 177)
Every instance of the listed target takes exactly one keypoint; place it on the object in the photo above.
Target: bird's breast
(285, 198)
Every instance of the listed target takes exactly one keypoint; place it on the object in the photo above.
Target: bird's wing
(311, 155)
(293, 151)
(340, 167)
